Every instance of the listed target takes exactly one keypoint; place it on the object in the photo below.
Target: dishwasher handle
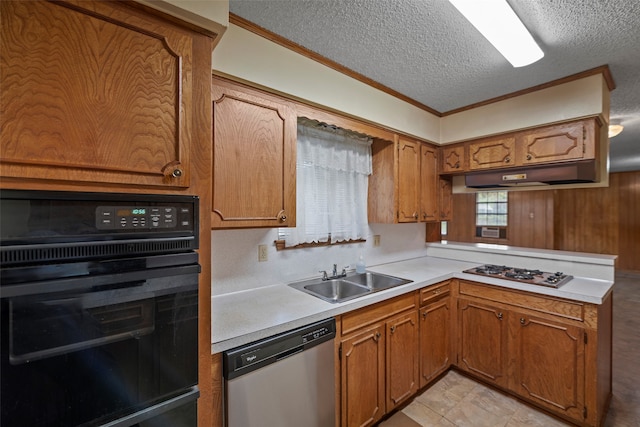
(290, 353)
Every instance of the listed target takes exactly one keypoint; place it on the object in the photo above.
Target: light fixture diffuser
(614, 130)
(499, 24)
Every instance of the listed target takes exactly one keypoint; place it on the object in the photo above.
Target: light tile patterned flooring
(457, 401)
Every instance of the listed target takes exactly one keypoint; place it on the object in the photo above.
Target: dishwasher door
(283, 381)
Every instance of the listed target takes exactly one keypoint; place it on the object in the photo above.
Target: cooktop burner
(524, 275)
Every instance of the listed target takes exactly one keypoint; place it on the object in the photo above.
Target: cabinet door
(493, 153)
(362, 377)
(435, 340)
(445, 199)
(482, 347)
(94, 92)
(550, 364)
(429, 183)
(402, 358)
(569, 141)
(408, 180)
(254, 155)
(453, 159)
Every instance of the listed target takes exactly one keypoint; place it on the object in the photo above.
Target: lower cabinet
(362, 377)
(536, 347)
(482, 348)
(402, 358)
(549, 363)
(435, 332)
(554, 353)
(378, 352)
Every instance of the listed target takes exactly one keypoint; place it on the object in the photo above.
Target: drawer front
(377, 312)
(434, 292)
(549, 305)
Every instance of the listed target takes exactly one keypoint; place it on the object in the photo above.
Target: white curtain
(333, 166)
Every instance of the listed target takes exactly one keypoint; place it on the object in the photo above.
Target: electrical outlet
(376, 240)
(262, 253)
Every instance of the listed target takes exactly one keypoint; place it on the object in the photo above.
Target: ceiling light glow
(499, 24)
(615, 130)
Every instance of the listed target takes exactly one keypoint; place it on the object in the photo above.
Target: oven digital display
(131, 212)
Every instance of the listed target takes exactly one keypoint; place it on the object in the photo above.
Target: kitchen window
(492, 208)
(332, 177)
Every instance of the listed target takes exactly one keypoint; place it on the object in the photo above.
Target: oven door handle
(94, 283)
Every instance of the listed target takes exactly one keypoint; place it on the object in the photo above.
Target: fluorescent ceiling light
(499, 24)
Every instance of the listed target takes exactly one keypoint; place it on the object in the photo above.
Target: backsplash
(235, 266)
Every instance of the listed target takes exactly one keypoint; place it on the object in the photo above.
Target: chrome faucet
(334, 273)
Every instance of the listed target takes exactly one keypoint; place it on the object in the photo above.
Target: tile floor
(457, 401)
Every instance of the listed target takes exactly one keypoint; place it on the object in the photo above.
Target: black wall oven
(99, 309)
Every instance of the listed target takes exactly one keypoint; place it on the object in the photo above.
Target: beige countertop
(242, 317)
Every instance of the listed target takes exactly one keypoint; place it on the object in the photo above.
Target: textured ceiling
(425, 50)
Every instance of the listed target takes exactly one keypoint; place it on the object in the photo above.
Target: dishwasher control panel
(252, 356)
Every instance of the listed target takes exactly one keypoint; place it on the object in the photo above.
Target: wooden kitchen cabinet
(378, 350)
(549, 363)
(254, 158)
(454, 159)
(95, 92)
(362, 368)
(435, 332)
(492, 153)
(482, 341)
(445, 199)
(559, 143)
(430, 196)
(404, 186)
(401, 358)
(555, 353)
(408, 180)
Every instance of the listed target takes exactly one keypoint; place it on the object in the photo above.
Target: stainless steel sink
(348, 287)
(376, 281)
(336, 290)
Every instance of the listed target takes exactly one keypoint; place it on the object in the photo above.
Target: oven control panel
(137, 217)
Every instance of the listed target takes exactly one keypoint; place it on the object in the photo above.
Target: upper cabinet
(405, 185)
(564, 142)
(492, 153)
(454, 158)
(95, 92)
(408, 180)
(254, 158)
(429, 184)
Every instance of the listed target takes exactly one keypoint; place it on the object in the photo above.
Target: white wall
(247, 56)
(212, 15)
(585, 97)
(235, 266)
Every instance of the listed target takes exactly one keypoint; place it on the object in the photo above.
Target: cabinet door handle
(522, 320)
(457, 165)
(393, 329)
(424, 314)
(415, 215)
(177, 173)
(507, 159)
(528, 156)
(376, 337)
(500, 316)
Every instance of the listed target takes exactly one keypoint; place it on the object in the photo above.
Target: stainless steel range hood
(560, 173)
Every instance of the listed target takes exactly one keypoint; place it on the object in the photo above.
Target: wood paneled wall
(595, 220)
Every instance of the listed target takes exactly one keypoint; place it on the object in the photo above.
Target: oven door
(116, 349)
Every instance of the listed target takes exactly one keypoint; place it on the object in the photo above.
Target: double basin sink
(348, 287)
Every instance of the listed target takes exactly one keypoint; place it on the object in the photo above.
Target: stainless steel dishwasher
(283, 381)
